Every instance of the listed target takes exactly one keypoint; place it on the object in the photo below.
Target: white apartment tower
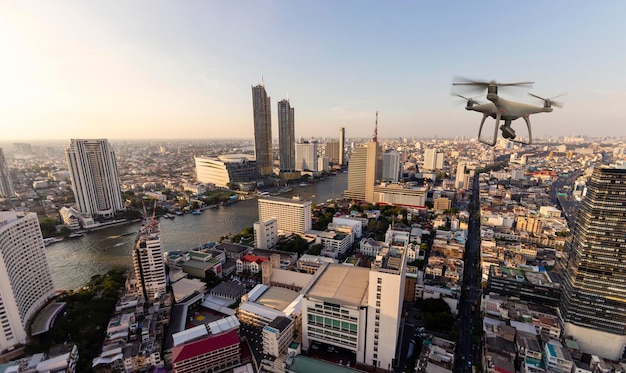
(357, 309)
(94, 176)
(306, 156)
(462, 179)
(148, 260)
(392, 161)
(432, 160)
(25, 279)
(265, 234)
(292, 216)
(6, 186)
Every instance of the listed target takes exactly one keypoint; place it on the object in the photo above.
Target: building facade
(306, 156)
(357, 309)
(148, 261)
(292, 216)
(342, 146)
(225, 170)
(214, 353)
(265, 234)
(331, 151)
(593, 305)
(6, 185)
(364, 171)
(94, 176)
(286, 136)
(392, 163)
(262, 130)
(25, 279)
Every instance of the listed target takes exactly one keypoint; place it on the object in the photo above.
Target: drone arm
(530, 135)
(480, 130)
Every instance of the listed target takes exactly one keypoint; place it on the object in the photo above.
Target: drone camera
(507, 132)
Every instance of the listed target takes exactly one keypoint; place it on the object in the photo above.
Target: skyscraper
(364, 170)
(391, 166)
(148, 260)
(25, 279)
(262, 130)
(95, 181)
(342, 146)
(331, 151)
(593, 303)
(6, 186)
(286, 136)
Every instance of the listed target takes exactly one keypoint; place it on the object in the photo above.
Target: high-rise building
(392, 161)
(25, 279)
(462, 179)
(265, 234)
(430, 159)
(95, 181)
(225, 169)
(6, 185)
(358, 309)
(292, 216)
(286, 136)
(306, 156)
(593, 303)
(364, 170)
(148, 260)
(262, 130)
(342, 146)
(331, 151)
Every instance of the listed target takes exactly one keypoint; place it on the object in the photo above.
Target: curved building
(25, 279)
(225, 169)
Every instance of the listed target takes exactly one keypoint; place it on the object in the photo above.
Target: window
(379, 280)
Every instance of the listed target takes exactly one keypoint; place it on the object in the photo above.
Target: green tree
(48, 226)
(315, 249)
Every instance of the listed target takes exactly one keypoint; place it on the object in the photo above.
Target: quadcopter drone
(501, 109)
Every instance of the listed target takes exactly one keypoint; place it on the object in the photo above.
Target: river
(73, 261)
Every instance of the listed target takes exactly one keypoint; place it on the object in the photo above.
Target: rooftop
(342, 284)
(277, 298)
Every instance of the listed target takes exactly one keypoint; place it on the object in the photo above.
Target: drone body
(505, 110)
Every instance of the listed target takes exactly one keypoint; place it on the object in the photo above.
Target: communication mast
(375, 138)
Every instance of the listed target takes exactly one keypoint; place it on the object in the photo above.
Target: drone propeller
(482, 84)
(549, 101)
(470, 100)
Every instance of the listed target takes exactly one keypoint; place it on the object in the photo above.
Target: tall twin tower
(261, 107)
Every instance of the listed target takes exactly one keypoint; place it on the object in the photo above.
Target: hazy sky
(183, 69)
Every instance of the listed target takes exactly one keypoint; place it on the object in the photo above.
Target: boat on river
(51, 240)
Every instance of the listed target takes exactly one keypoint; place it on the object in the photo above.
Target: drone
(501, 109)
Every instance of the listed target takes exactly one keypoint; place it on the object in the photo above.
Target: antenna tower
(375, 138)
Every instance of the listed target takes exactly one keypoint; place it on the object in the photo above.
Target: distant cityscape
(439, 256)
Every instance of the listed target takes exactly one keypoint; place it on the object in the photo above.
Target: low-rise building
(213, 353)
(277, 336)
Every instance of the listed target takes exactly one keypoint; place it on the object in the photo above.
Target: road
(468, 354)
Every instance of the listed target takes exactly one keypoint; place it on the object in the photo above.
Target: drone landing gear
(495, 132)
(507, 131)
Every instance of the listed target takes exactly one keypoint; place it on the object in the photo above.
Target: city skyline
(159, 70)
